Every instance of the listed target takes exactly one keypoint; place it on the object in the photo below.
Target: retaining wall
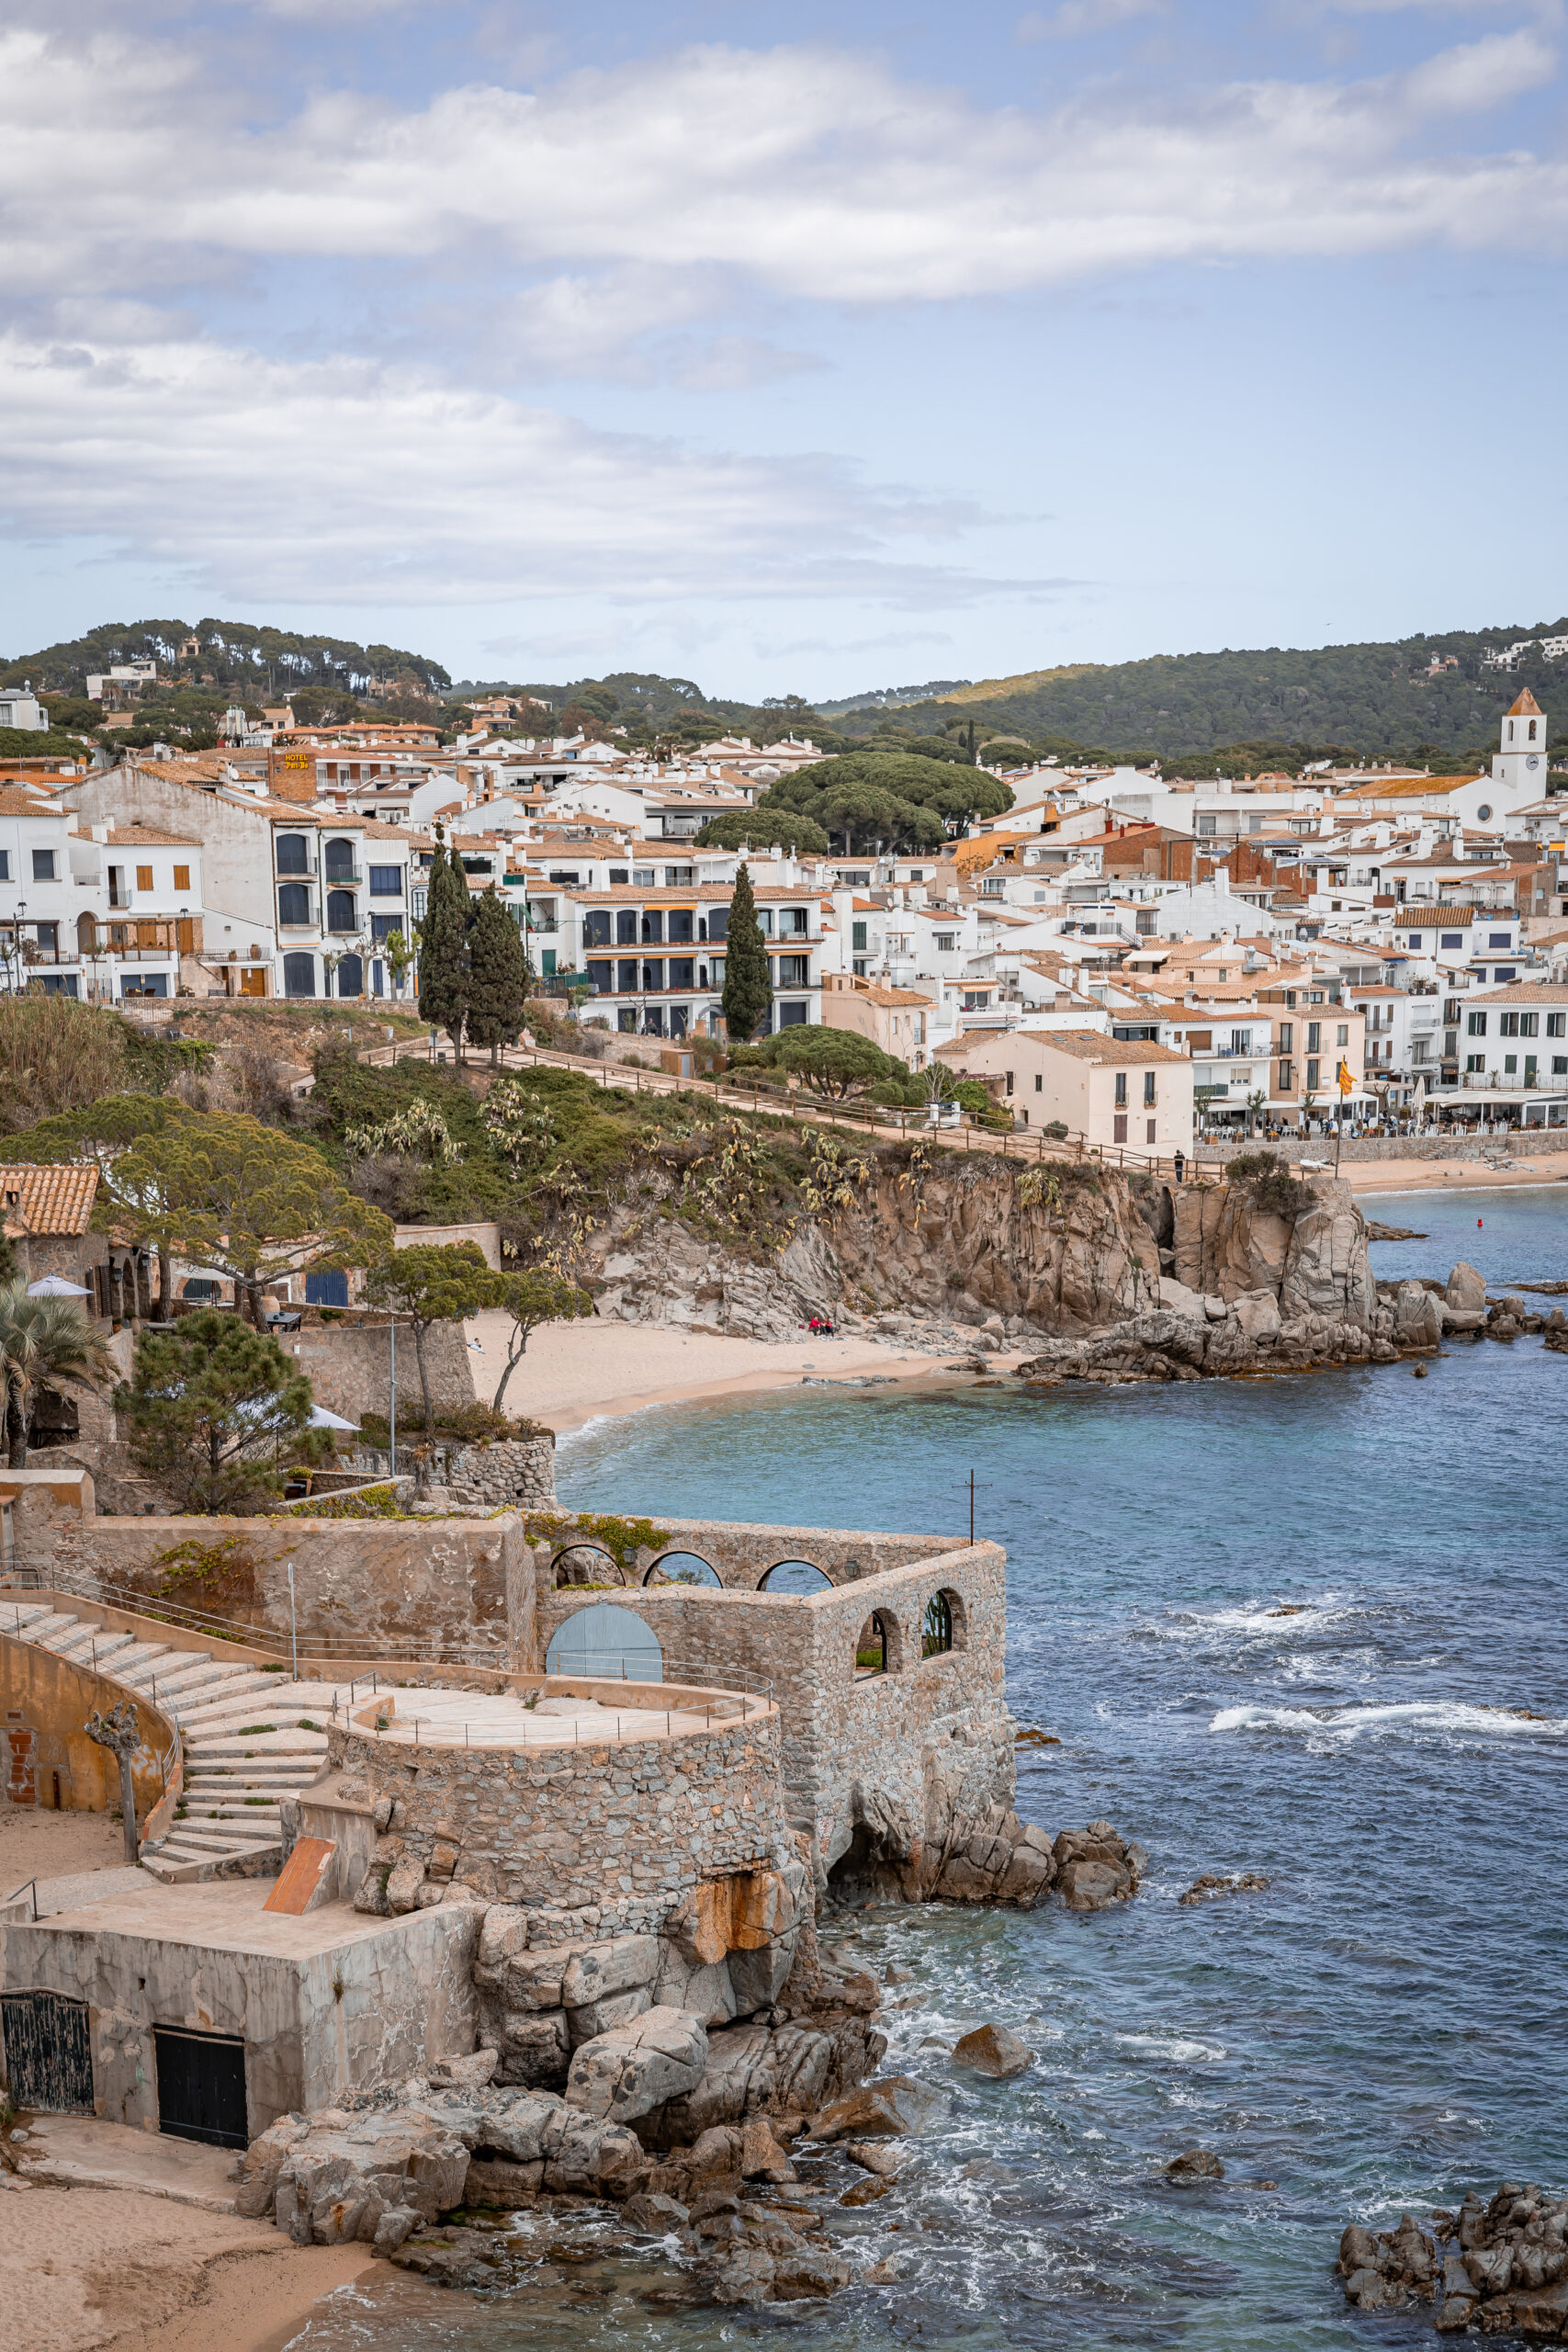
(1517, 1143)
(627, 1828)
(44, 1701)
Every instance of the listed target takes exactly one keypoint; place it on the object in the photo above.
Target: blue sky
(794, 350)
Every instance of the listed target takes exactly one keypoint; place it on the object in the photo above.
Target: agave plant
(44, 1344)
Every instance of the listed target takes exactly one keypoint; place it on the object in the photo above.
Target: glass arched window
(293, 853)
(294, 905)
(683, 1567)
(340, 914)
(936, 1626)
(338, 860)
(794, 1576)
(608, 1641)
(299, 976)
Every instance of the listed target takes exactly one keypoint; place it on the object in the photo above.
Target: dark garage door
(201, 2086)
(48, 2060)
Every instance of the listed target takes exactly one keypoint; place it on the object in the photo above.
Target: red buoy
(1477, 1225)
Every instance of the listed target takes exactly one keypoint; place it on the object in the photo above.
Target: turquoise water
(1380, 2029)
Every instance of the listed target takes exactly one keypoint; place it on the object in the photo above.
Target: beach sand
(1447, 1176)
(574, 1371)
(108, 2270)
(37, 1842)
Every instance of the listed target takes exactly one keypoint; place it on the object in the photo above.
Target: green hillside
(1374, 700)
(261, 663)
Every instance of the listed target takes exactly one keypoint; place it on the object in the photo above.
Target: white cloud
(1075, 20)
(804, 172)
(346, 481)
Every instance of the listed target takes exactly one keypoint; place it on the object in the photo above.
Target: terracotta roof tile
(50, 1200)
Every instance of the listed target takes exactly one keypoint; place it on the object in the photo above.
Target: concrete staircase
(250, 1736)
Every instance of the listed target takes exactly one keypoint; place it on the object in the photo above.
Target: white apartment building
(1514, 1049)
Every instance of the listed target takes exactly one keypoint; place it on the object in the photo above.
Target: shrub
(1268, 1181)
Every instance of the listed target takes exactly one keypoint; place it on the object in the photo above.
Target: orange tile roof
(1526, 706)
(50, 1200)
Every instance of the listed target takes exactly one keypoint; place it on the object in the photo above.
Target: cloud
(801, 172)
(346, 481)
(1077, 18)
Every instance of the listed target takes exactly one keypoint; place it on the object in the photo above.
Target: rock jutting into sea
(1507, 2273)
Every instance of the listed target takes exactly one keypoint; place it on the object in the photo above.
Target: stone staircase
(251, 1737)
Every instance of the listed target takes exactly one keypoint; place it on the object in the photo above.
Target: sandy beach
(574, 1371)
(1453, 1175)
(108, 2270)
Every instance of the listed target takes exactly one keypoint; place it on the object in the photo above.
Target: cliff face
(949, 1250)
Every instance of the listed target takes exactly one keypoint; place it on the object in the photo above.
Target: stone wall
(740, 1552)
(517, 1471)
(906, 1758)
(623, 1831)
(321, 2009)
(1521, 1143)
(412, 1588)
(349, 1368)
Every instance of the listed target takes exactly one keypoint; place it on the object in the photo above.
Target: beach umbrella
(322, 1420)
(57, 1286)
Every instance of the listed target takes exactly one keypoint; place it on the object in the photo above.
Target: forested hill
(256, 660)
(1377, 700)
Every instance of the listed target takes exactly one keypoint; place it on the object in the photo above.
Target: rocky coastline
(725, 2135)
(1504, 2270)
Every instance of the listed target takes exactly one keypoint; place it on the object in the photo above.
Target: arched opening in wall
(937, 1625)
(871, 1648)
(957, 1617)
(606, 1643)
(795, 1576)
(683, 1567)
(586, 1565)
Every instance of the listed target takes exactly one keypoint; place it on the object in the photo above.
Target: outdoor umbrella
(57, 1286)
(322, 1420)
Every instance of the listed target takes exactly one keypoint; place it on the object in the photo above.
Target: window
(568, 881)
(1474, 1062)
(1502, 973)
(1287, 1036)
(598, 978)
(791, 1016)
(1205, 828)
(653, 974)
(1009, 1082)
(642, 877)
(182, 878)
(1313, 1077)
(1529, 1070)
(1507, 1024)
(596, 927)
(294, 912)
(341, 912)
(1453, 939)
(386, 881)
(1148, 1130)
(1040, 1086)
(1556, 1023)
(43, 865)
(1342, 1036)
(857, 938)
(292, 854)
(299, 976)
(1287, 1079)
(681, 926)
(1510, 1064)
(654, 927)
(626, 926)
(795, 972)
(1560, 1065)
(5, 866)
(144, 878)
(1475, 1025)
(718, 923)
(683, 972)
(946, 941)
(1148, 1088)
(1315, 1036)
(936, 1629)
(916, 873)
(1499, 939)
(626, 974)
(383, 926)
(1530, 1025)
(1119, 1128)
(1121, 1089)
(680, 878)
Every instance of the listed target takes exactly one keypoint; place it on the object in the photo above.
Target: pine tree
(748, 983)
(442, 947)
(498, 975)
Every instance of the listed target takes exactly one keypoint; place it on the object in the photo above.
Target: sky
(793, 349)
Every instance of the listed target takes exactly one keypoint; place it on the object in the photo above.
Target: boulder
(627, 2072)
(992, 2049)
(403, 1883)
(596, 2017)
(597, 1971)
(880, 2111)
(1417, 1316)
(515, 2124)
(1466, 1288)
(497, 2181)
(1092, 1886)
(1176, 1299)
(502, 1934)
(531, 1980)
(1257, 1312)
(1195, 2164)
(536, 2047)
(761, 2158)
(404, 2157)
(872, 2157)
(656, 2214)
(757, 1977)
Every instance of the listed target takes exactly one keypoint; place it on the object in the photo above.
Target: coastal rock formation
(1507, 2272)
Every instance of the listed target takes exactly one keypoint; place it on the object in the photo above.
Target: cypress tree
(442, 947)
(748, 983)
(498, 975)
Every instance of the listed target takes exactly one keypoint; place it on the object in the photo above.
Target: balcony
(342, 878)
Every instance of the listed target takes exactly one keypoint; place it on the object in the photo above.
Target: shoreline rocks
(1506, 2273)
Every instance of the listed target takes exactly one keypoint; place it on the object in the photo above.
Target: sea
(1311, 1628)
